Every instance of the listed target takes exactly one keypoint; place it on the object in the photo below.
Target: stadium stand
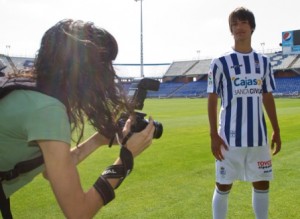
(166, 89)
(281, 61)
(287, 86)
(296, 62)
(192, 89)
(276, 59)
(188, 78)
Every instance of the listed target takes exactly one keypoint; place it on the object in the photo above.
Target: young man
(244, 81)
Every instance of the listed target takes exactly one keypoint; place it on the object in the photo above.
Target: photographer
(72, 81)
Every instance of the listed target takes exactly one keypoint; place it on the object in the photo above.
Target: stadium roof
(192, 68)
(123, 70)
(188, 68)
(134, 70)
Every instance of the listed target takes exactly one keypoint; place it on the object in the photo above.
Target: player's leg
(227, 171)
(220, 200)
(259, 171)
(260, 199)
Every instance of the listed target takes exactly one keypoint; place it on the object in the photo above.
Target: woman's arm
(65, 181)
(87, 147)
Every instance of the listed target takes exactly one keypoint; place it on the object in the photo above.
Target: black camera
(137, 93)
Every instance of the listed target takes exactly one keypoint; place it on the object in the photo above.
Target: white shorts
(250, 164)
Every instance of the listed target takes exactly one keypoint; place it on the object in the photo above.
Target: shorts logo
(266, 166)
(222, 171)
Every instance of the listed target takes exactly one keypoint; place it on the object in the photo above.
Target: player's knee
(261, 185)
(224, 187)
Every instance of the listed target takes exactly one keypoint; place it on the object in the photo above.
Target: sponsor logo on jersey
(245, 85)
(236, 66)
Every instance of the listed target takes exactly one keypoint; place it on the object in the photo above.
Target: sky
(173, 30)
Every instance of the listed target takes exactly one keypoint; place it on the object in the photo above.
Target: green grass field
(174, 178)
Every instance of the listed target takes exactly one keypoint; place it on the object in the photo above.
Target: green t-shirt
(27, 116)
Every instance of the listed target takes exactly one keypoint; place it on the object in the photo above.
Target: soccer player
(244, 80)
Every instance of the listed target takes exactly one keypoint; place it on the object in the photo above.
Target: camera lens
(158, 129)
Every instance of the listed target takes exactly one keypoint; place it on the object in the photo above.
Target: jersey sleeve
(49, 123)
(214, 77)
(269, 81)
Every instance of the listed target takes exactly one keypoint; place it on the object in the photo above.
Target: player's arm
(216, 140)
(212, 112)
(269, 104)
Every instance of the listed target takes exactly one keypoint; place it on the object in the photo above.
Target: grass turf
(174, 178)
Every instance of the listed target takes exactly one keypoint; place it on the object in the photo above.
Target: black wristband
(105, 190)
(114, 171)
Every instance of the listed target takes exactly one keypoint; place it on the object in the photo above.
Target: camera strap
(21, 167)
(103, 187)
(120, 171)
(4, 205)
(125, 139)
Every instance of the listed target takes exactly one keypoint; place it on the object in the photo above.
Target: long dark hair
(74, 65)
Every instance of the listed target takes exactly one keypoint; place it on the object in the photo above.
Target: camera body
(137, 94)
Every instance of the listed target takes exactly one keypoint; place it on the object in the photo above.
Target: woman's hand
(139, 141)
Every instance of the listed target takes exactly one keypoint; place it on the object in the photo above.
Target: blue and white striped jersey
(240, 79)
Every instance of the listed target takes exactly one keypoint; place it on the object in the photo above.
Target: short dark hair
(242, 14)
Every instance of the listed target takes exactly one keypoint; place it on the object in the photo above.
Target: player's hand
(217, 144)
(275, 143)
